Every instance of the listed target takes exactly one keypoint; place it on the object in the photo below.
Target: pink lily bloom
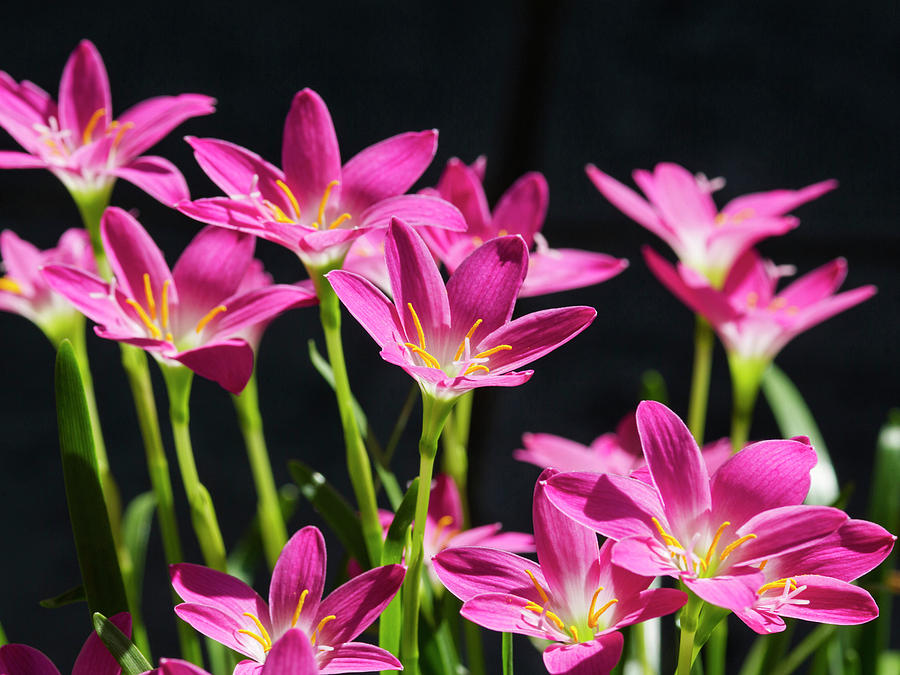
(93, 659)
(23, 290)
(227, 610)
(616, 452)
(455, 337)
(521, 210)
(712, 533)
(81, 142)
(812, 583)
(191, 314)
(573, 596)
(753, 319)
(316, 207)
(680, 210)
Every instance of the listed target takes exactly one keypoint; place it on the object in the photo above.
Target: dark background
(768, 94)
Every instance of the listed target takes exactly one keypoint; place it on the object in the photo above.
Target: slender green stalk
(639, 635)
(714, 661)
(358, 464)
(746, 377)
(203, 514)
(91, 206)
(475, 648)
(688, 618)
(507, 653)
(455, 442)
(704, 343)
(271, 521)
(3, 639)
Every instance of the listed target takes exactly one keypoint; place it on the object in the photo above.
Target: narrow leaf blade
(507, 654)
(68, 597)
(122, 649)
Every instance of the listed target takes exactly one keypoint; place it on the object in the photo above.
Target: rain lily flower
(455, 337)
(93, 659)
(316, 207)
(23, 290)
(292, 654)
(812, 583)
(574, 596)
(228, 611)
(81, 142)
(711, 533)
(753, 319)
(680, 210)
(191, 314)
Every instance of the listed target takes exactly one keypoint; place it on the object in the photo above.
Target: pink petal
(562, 269)
(24, 660)
(778, 202)
(817, 285)
(20, 160)
(630, 203)
(680, 200)
(22, 261)
(724, 245)
(291, 654)
(258, 307)
(228, 363)
(94, 658)
(132, 253)
(357, 657)
(205, 586)
(83, 90)
(444, 501)
(646, 605)
(644, 556)
(369, 306)
(831, 306)
(679, 472)
(551, 451)
(154, 118)
(522, 208)
(248, 668)
(240, 215)
(734, 592)
(414, 210)
(491, 537)
(597, 657)
(830, 601)
(785, 529)
(471, 571)
(156, 176)
(224, 627)
(238, 171)
(461, 186)
(22, 106)
(358, 603)
(386, 169)
(177, 667)
(506, 613)
(300, 568)
(90, 295)
(761, 621)
(310, 155)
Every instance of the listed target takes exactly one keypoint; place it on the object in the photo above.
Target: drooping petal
(238, 171)
(156, 176)
(461, 186)
(94, 658)
(646, 605)
(414, 210)
(597, 657)
(357, 657)
(522, 208)
(300, 571)
(471, 571)
(734, 592)
(358, 603)
(562, 269)
(778, 202)
(369, 306)
(830, 601)
(310, 155)
(506, 613)
(154, 118)
(84, 90)
(291, 654)
(257, 307)
(386, 169)
(24, 660)
(228, 363)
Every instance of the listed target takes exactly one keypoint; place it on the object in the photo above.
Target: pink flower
(227, 610)
(23, 290)
(711, 533)
(93, 659)
(190, 315)
(574, 596)
(81, 143)
(680, 210)
(316, 207)
(455, 337)
(754, 319)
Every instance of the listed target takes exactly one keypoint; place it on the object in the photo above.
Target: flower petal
(24, 660)
(83, 90)
(291, 654)
(154, 118)
(228, 363)
(522, 208)
(468, 571)
(300, 570)
(646, 605)
(735, 591)
(238, 171)
(414, 210)
(90, 295)
(444, 501)
(680, 200)
(830, 601)
(784, 529)
(179, 667)
(156, 176)
(20, 160)
(369, 306)
(310, 155)
(778, 202)
(562, 269)
(644, 556)
(257, 307)
(506, 613)
(597, 657)
(94, 658)
(225, 627)
(357, 657)
(461, 186)
(358, 603)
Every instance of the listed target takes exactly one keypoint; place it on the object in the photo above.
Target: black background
(768, 94)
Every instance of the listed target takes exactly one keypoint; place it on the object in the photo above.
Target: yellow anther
(263, 637)
(299, 607)
(148, 291)
(441, 524)
(429, 360)
(714, 544)
(280, 216)
(209, 317)
(324, 201)
(266, 647)
(668, 538)
(792, 310)
(502, 232)
(492, 350)
(776, 304)
(419, 332)
(574, 632)
(7, 284)
(720, 219)
(743, 214)
(733, 545)
(164, 305)
(475, 367)
(170, 337)
(478, 241)
(290, 195)
(462, 345)
(340, 219)
(592, 619)
(537, 586)
(752, 299)
(319, 627)
(91, 125)
(122, 129)
(594, 602)
(157, 333)
(763, 564)
(781, 583)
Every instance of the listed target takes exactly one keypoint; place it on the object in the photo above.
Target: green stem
(716, 649)
(134, 361)
(804, 650)
(3, 639)
(91, 206)
(704, 343)
(746, 377)
(271, 521)
(358, 464)
(455, 442)
(475, 648)
(203, 515)
(688, 617)
(639, 635)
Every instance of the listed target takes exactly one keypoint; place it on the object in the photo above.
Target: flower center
(158, 326)
(543, 612)
(442, 534)
(293, 218)
(10, 285)
(788, 596)
(688, 561)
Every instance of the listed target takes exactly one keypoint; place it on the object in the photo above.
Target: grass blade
(123, 650)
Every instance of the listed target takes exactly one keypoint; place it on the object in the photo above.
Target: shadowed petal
(522, 208)
(24, 660)
(156, 176)
(470, 571)
(461, 186)
(292, 654)
(358, 603)
(310, 155)
(132, 253)
(229, 363)
(211, 268)
(224, 626)
(646, 605)
(154, 118)
(178, 667)
(785, 529)
(734, 592)
(444, 501)
(414, 210)
(597, 657)
(300, 568)
(257, 306)
(357, 657)
(369, 306)
(83, 90)
(94, 658)
(644, 556)
(506, 613)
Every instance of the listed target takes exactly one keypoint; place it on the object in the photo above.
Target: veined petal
(461, 186)
(300, 570)
(562, 269)
(522, 208)
(386, 169)
(258, 306)
(225, 627)
(94, 658)
(204, 586)
(678, 470)
(156, 176)
(506, 613)
(90, 295)
(830, 601)
(357, 657)
(132, 254)
(735, 591)
(414, 210)
(369, 306)
(291, 654)
(358, 603)
(238, 171)
(310, 155)
(468, 571)
(596, 657)
(177, 667)
(24, 660)
(646, 605)
(239, 215)
(154, 118)
(784, 529)
(228, 363)
(645, 556)
(83, 90)
(761, 621)
(778, 202)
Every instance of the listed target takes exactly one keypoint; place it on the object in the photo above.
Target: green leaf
(795, 419)
(391, 486)
(94, 544)
(122, 649)
(3, 639)
(136, 524)
(68, 597)
(889, 663)
(339, 515)
(320, 363)
(653, 387)
(507, 654)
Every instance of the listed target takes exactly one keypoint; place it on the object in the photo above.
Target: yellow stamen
(537, 609)
(7, 284)
(164, 305)
(668, 538)
(752, 299)
(714, 544)
(324, 201)
(266, 647)
(290, 195)
(170, 338)
(462, 345)
(299, 607)
(594, 602)
(91, 125)
(502, 232)
(280, 216)
(720, 219)
(733, 545)
(146, 319)
(441, 524)
(419, 331)
(776, 304)
(574, 632)
(537, 586)
(263, 637)
(763, 564)
(340, 219)
(476, 367)
(430, 361)
(209, 317)
(122, 129)
(781, 583)
(148, 291)
(592, 619)
(319, 627)
(492, 350)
